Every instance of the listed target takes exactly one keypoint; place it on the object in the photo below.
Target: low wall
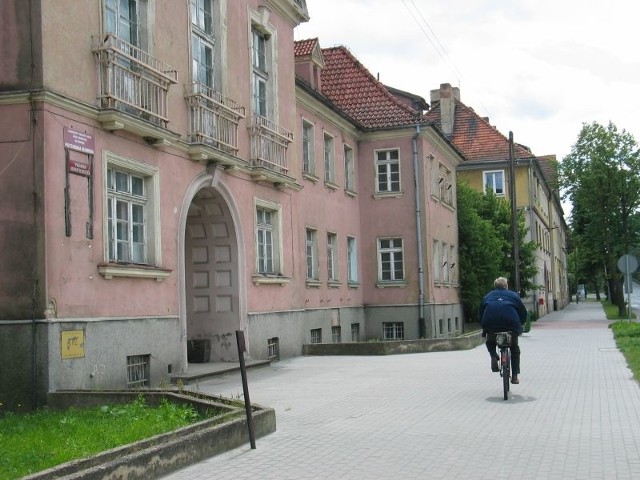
(464, 342)
(165, 453)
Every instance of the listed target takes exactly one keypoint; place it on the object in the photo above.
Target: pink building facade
(173, 172)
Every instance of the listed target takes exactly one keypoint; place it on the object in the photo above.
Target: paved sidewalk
(575, 414)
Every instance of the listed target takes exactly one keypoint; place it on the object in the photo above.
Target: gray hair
(500, 282)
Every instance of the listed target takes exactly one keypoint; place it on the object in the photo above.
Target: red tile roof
(303, 48)
(348, 85)
(475, 137)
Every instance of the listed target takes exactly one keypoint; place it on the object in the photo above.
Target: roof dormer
(309, 62)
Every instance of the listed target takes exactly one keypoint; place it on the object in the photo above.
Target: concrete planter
(464, 342)
(160, 455)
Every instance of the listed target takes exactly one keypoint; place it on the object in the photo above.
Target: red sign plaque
(79, 141)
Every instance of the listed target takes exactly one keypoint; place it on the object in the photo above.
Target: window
(349, 170)
(138, 371)
(316, 335)
(393, 330)
(273, 349)
(494, 181)
(352, 260)
(131, 214)
(266, 237)
(122, 18)
(202, 42)
(355, 332)
(445, 185)
(332, 257)
(312, 254)
(259, 72)
(336, 334)
(453, 277)
(329, 169)
(388, 171)
(436, 261)
(444, 263)
(390, 263)
(308, 165)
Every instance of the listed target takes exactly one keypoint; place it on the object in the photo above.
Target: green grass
(43, 439)
(627, 336)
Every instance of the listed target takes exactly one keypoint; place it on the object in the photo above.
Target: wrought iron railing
(213, 118)
(269, 143)
(133, 81)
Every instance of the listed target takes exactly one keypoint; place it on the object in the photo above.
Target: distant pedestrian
(503, 311)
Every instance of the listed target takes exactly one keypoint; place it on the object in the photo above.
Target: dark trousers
(515, 351)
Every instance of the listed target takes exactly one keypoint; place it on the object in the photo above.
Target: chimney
(447, 96)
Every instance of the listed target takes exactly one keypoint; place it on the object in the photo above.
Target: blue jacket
(502, 310)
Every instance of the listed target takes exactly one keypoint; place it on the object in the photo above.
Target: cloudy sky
(538, 68)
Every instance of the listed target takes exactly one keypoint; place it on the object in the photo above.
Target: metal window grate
(355, 332)
(273, 348)
(138, 371)
(336, 334)
(316, 335)
(393, 330)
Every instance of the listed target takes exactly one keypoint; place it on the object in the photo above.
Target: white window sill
(350, 193)
(310, 176)
(266, 279)
(391, 284)
(334, 284)
(353, 285)
(111, 270)
(313, 283)
(379, 195)
(331, 185)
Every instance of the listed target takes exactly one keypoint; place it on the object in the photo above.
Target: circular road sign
(627, 264)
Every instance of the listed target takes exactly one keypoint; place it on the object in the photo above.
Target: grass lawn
(627, 335)
(43, 439)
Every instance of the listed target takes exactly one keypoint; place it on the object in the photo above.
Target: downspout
(422, 328)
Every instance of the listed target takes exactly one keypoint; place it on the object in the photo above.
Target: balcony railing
(133, 81)
(213, 118)
(269, 144)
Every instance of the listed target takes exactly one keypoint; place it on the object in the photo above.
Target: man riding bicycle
(503, 311)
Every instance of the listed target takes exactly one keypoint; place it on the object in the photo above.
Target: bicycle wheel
(505, 370)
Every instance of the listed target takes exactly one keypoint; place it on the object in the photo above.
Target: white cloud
(539, 68)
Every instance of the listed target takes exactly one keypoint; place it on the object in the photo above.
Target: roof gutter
(422, 328)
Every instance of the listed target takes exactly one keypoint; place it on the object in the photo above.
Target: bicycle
(503, 341)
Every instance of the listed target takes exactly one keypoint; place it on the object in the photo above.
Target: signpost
(628, 264)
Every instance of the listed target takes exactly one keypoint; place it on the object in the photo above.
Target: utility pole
(514, 215)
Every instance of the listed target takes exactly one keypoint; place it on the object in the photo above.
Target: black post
(245, 387)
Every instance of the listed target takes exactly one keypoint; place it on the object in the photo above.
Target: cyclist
(503, 311)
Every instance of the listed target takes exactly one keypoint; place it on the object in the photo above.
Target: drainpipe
(422, 328)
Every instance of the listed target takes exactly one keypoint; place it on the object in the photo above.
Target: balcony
(269, 144)
(133, 87)
(213, 122)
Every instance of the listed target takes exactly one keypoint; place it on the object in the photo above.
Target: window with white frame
(349, 169)
(393, 330)
(308, 165)
(132, 215)
(436, 261)
(312, 254)
(329, 163)
(268, 226)
(390, 259)
(332, 257)
(352, 260)
(260, 72)
(453, 277)
(202, 42)
(387, 171)
(494, 181)
(445, 185)
(127, 20)
(444, 263)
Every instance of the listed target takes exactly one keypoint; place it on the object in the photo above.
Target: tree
(486, 246)
(601, 179)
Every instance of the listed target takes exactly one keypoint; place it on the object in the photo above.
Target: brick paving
(575, 414)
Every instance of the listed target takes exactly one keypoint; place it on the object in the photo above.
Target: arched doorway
(211, 288)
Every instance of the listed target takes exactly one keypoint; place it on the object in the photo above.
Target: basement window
(138, 371)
